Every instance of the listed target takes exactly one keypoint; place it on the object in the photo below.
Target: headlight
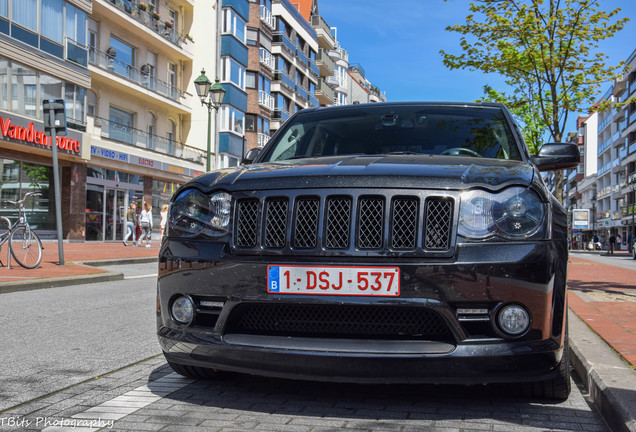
(515, 213)
(194, 213)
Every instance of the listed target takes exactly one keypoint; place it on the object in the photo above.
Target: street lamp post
(211, 96)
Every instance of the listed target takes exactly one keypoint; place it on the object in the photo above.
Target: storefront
(26, 166)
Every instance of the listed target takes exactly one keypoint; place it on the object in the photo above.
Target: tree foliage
(546, 49)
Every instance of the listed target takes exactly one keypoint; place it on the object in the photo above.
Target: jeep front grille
(355, 224)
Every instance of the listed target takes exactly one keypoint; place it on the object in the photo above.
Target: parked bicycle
(24, 243)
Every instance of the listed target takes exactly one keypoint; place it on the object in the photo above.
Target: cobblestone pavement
(148, 396)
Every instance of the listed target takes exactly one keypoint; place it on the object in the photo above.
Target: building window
(4, 8)
(124, 61)
(75, 97)
(22, 12)
(233, 24)
(151, 128)
(233, 72)
(232, 120)
(252, 37)
(4, 83)
(24, 90)
(51, 17)
(172, 79)
(264, 84)
(250, 79)
(250, 123)
(75, 24)
(121, 125)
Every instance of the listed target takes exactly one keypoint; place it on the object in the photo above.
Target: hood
(376, 171)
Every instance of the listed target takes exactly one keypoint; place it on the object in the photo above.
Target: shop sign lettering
(176, 169)
(30, 135)
(110, 154)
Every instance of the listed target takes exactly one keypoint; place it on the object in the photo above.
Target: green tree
(546, 49)
(526, 110)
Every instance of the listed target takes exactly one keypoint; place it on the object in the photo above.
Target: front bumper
(484, 276)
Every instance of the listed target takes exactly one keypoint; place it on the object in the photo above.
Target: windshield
(410, 129)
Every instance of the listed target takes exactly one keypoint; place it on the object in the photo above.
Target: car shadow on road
(332, 406)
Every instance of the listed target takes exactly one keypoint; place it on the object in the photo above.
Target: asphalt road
(54, 338)
(58, 340)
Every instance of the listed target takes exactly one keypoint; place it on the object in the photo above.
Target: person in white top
(163, 220)
(145, 222)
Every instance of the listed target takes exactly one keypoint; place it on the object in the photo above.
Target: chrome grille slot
(246, 223)
(404, 223)
(306, 229)
(370, 223)
(338, 223)
(275, 223)
(439, 212)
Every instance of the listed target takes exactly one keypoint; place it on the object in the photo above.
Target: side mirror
(557, 156)
(251, 156)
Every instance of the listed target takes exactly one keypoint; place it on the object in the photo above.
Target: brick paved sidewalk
(604, 297)
(73, 253)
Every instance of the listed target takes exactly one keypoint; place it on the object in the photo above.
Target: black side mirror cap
(557, 156)
(251, 156)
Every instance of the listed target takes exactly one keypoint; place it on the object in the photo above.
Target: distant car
(379, 243)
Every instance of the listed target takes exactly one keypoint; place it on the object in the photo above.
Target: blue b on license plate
(314, 280)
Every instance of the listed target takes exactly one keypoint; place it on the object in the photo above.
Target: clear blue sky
(397, 42)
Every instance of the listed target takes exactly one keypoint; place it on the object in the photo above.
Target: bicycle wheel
(26, 247)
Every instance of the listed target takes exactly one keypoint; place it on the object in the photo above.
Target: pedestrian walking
(131, 222)
(145, 222)
(612, 244)
(163, 220)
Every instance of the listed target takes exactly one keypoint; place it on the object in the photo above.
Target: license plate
(362, 281)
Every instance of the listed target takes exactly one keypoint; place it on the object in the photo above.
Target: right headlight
(515, 213)
(194, 213)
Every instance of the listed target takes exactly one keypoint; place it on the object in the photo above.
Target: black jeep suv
(378, 243)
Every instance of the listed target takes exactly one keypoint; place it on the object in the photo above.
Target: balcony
(313, 101)
(313, 68)
(323, 32)
(145, 17)
(280, 114)
(325, 63)
(268, 18)
(607, 120)
(281, 38)
(302, 92)
(262, 139)
(300, 56)
(138, 138)
(324, 93)
(76, 52)
(267, 59)
(285, 80)
(110, 64)
(265, 100)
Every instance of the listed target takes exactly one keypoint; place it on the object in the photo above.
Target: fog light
(514, 320)
(183, 310)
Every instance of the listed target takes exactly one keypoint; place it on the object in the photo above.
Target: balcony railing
(266, 58)
(604, 123)
(146, 18)
(318, 21)
(314, 68)
(117, 67)
(604, 146)
(139, 138)
(301, 91)
(268, 18)
(313, 101)
(262, 139)
(284, 79)
(302, 57)
(281, 37)
(265, 99)
(280, 114)
(76, 52)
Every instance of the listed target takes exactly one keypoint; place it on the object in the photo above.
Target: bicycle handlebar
(26, 195)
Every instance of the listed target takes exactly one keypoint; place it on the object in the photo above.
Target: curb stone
(610, 381)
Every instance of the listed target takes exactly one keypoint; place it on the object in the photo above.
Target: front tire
(559, 387)
(26, 247)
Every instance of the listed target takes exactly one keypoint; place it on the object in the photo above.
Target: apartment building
(608, 186)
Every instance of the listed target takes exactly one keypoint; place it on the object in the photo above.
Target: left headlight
(515, 213)
(194, 213)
